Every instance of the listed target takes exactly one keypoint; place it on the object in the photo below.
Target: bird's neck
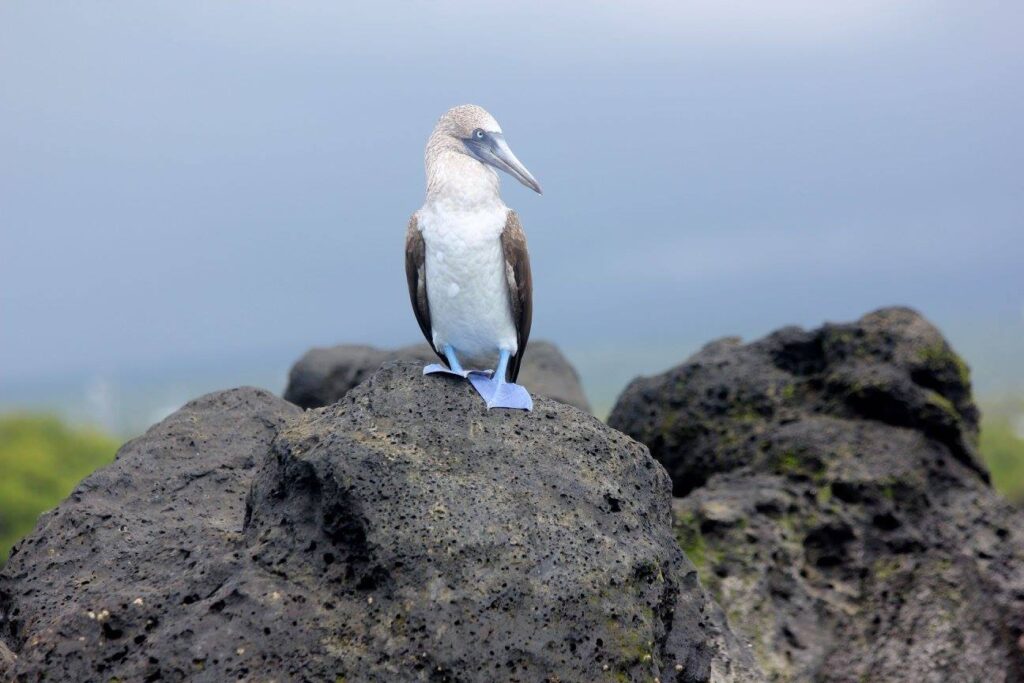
(461, 183)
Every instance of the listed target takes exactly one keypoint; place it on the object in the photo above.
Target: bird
(466, 261)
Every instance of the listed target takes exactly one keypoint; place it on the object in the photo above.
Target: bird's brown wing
(416, 276)
(520, 287)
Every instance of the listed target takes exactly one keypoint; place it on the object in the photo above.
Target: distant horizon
(130, 399)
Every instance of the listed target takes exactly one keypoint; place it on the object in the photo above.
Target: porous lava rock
(833, 499)
(403, 533)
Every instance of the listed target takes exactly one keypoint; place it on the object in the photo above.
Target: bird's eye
(478, 134)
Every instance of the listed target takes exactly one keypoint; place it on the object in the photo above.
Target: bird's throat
(461, 183)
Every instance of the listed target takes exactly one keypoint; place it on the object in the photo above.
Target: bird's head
(471, 131)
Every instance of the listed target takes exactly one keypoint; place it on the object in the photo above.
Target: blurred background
(194, 193)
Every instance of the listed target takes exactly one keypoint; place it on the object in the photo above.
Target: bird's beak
(494, 151)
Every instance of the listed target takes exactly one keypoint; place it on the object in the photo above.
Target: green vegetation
(940, 356)
(41, 461)
(687, 530)
(1002, 445)
(704, 557)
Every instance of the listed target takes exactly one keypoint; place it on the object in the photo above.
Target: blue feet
(497, 393)
(438, 369)
(454, 367)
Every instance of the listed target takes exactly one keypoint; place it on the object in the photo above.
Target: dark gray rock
(323, 375)
(403, 533)
(115, 583)
(834, 502)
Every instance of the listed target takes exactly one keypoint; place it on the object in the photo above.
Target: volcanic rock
(833, 499)
(403, 533)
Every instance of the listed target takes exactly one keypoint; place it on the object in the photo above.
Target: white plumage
(466, 281)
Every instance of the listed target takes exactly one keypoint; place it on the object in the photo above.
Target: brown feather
(416, 276)
(520, 287)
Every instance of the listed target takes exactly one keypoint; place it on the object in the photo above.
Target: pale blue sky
(194, 184)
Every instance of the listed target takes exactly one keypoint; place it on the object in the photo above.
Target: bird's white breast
(466, 281)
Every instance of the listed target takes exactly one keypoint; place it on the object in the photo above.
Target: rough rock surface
(6, 659)
(403, 533)
(115, 582)
(834, 502)
(323, 375)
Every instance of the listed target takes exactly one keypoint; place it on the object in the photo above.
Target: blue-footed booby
(466, 261)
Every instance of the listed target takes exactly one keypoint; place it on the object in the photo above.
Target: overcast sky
(193, 181)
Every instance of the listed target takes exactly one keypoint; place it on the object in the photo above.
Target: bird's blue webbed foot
(454, 367)
(498, 393)
(438, 369)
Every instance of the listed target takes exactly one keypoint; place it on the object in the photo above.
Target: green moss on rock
(940, 356)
